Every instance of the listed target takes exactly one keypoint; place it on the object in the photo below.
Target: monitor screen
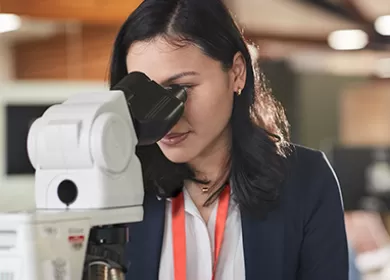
(19, 118)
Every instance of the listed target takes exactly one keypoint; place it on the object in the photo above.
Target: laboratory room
(194, 139)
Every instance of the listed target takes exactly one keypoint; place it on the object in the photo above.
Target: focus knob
(111, 146)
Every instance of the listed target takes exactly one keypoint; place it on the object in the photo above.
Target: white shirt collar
(190, 206)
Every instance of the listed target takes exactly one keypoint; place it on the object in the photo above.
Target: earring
(238, 92)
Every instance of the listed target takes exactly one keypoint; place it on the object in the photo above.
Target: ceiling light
(353, 39)
(9, 22)
(382, 25)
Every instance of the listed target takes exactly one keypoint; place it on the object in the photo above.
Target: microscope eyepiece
(153, 108)
(179, 92)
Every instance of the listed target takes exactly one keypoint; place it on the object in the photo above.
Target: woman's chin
(178, 156)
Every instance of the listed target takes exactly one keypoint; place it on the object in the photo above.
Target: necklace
(205, 189)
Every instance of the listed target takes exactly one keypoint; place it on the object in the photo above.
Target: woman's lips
(172, 139)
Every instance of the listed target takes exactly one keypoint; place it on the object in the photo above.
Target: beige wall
(6, 61)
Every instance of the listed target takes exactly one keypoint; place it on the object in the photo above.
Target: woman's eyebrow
(179, 75)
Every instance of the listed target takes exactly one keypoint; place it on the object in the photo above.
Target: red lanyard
(179, 234)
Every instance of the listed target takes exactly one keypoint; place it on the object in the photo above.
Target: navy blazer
(304, 239)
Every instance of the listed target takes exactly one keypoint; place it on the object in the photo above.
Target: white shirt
(200, 245)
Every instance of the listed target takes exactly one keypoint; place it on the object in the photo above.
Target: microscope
(88, 182)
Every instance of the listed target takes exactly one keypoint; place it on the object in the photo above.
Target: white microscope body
(87, 175)
(91, 139)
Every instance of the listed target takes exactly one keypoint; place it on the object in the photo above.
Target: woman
(227, 197)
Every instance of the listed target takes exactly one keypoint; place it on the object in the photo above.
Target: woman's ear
(238, 72)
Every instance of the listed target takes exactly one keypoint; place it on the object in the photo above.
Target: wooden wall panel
(93, 11)
(45, 59)
(365, 115)
(82, 55)
(97, 49)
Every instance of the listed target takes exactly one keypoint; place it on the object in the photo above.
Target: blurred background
(327, 61)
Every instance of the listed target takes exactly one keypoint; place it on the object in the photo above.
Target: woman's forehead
(159, 58)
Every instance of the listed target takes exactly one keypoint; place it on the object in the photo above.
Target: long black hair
(257, 167)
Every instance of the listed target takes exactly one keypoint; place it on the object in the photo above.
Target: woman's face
(204, 125)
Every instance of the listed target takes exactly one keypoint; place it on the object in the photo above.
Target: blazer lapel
(263, 246)
(144, 248)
